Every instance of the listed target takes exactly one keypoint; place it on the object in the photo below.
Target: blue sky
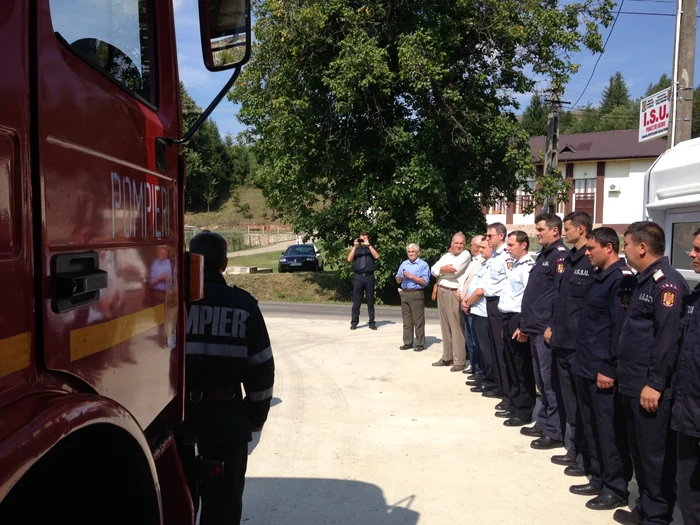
(641, 47)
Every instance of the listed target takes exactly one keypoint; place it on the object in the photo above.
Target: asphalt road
(362, 433)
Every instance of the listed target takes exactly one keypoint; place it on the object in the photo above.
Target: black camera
(359, 240)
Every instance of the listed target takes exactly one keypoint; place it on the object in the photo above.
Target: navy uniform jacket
(648, 344)
(227, 344)
(364, 260)
(541, 292)
(686, 404)
(604, 311)
(577, 278)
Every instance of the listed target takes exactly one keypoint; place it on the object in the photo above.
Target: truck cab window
(114, 36)
(682, 241)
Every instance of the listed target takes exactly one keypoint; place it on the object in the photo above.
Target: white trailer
(672, 200)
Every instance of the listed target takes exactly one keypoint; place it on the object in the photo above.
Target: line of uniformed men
(601, 344)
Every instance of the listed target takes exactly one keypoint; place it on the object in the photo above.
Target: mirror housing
(225, 30)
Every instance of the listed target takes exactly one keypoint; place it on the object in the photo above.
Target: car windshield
(301, 250)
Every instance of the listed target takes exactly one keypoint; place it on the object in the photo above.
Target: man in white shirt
(448, 270)
(472, 344)
(520, 397)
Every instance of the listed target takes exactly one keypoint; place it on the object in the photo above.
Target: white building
(606, 170)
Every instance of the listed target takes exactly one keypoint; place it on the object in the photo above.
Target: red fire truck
(93, 267)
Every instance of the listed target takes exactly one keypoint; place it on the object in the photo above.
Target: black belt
(195, 395)
(364, 274)
(447, 288)
(492, 299)
(413, 290)
(508, 315)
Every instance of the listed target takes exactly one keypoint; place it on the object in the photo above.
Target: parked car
(301, 257)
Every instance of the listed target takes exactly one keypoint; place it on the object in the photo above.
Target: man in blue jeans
(471, 341)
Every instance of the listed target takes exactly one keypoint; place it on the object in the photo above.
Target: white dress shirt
(459, 262)
(512, 297)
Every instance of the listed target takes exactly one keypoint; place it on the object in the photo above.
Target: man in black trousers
(363, 257)
(575, 281)
(648, 349)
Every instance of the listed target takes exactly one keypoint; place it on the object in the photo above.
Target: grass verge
(261, 260)
(302, 287)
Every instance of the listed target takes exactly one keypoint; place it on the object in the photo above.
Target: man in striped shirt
(227, 345)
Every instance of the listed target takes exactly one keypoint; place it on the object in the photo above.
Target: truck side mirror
(225, 31)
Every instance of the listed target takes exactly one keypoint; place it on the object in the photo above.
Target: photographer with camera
(363, 257)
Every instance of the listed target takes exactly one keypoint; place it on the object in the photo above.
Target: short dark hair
(605, 236)
(649, 233)
(214, 247)
(696, 233)
(364, 233)
(580, 218)
(499, 227)
(552, 220)
(521, 237)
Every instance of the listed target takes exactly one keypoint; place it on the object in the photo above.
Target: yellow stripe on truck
(92, 339)
(15, 353)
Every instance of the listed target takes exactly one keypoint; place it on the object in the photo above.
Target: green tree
(534, 120)
(396, 117)
(615, 95)
(664, 82)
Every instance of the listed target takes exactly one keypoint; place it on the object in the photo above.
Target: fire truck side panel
(17, 364)
(105, 93)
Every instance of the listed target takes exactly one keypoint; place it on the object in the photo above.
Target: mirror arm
(205, 115)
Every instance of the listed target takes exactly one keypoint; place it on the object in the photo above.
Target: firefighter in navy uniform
(537, 315)
(227, 344)
(575, 281)
(648, 348)
(595, 364)
(686, 405)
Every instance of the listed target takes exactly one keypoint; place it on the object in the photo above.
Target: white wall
(625, 206)
(495, 217)
(585, 170)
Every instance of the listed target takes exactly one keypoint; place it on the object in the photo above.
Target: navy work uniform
(493, 288)
(227, 344)
(363, 265)
(520, 397)
(575, 281)
(686, 412)
(601, 319)
(537, 315)
(648, 348)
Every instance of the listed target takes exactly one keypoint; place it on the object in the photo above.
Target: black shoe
(575, 471)
(516, 422)
(501, 406)
(468, 370)
(564, 460)
(605, 502)
(418, 349)
(353, 327)
(478, 389)
(628, 518)
(442, 363)
(504, 414)
(531, 431)
(490, 394)
(471, 383)
(584, 490)
(546, 443)
(471, 377)
(372, 326)
(405, 347)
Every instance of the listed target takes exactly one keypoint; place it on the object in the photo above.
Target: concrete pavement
(363, 433)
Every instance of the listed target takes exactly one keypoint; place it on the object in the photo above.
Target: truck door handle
(77, 280)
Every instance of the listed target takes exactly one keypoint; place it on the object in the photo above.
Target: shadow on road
(321, 502)
(431, 340)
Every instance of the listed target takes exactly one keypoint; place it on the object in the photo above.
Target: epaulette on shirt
(626, 271)
(561, 248)
(658, 275)
(530, 262)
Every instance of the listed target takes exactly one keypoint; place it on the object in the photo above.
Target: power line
(617, 15)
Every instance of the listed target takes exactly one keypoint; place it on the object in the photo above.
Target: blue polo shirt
(419, 268)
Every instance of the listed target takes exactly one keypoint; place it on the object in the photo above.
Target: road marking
(15, 353)
(92, 339)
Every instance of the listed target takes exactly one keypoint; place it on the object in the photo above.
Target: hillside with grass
(246, 207)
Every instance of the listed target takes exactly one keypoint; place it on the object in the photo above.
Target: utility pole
(683, 72)
(551, 143)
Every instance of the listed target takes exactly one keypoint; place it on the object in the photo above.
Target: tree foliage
(396, 116)
(615, 95)
(535, 117)
(214, 165)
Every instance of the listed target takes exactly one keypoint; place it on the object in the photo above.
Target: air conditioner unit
(615, 187)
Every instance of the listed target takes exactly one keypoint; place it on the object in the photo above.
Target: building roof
(601, 145)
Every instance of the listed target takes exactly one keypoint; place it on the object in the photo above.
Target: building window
(584, 196)
(523, 197)
(499, 207)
